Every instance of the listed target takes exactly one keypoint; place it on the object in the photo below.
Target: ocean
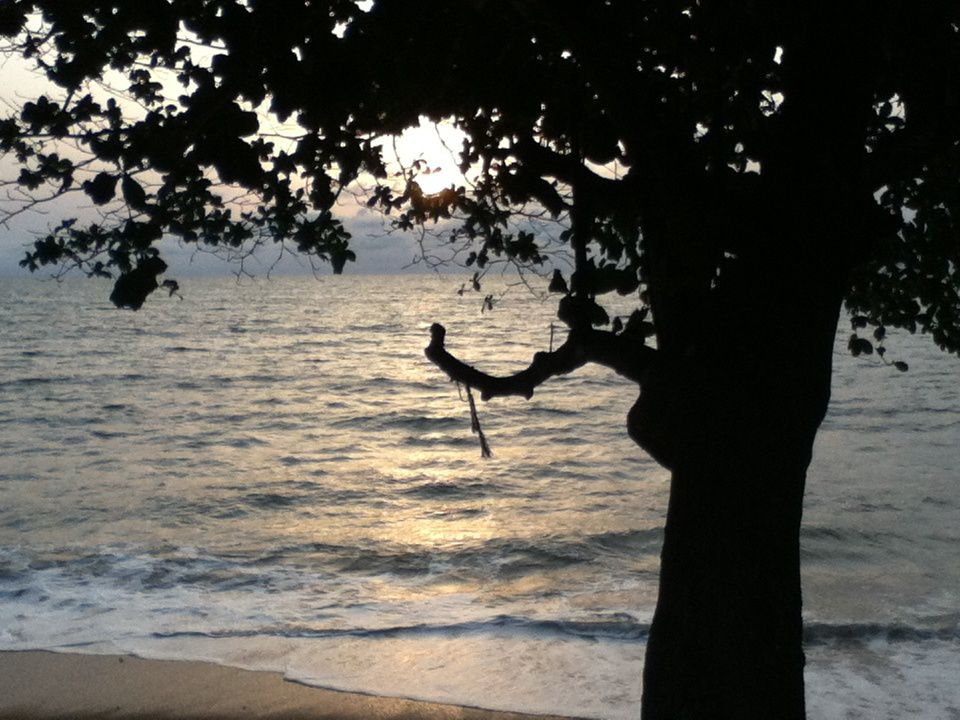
(270, 475)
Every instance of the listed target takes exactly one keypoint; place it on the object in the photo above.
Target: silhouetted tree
(773, 160)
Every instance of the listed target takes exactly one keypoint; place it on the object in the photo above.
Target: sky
(377, 249)
(377, 253)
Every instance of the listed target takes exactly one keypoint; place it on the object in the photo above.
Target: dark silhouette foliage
(695, 102)
(742, 168)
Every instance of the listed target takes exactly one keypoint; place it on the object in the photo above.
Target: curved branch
(624, 355)
(605, 194)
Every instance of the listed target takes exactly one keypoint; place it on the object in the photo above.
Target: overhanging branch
(625, 355)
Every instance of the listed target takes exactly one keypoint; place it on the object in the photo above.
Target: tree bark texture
(734, 420)
(726, 640)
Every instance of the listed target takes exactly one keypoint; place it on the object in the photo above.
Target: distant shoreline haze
(392, 255)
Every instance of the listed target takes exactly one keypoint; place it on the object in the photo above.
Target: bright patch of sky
(431, 152)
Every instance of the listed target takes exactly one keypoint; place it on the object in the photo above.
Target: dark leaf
(11, 19)
(557, 283)
(853, 345)
(132, 288)
(579, 311)
(133, 193)
(102, 188)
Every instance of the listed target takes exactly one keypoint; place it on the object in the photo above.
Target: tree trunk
(735, 425)
(726, 640)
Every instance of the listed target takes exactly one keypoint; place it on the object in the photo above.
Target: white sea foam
(567, 676)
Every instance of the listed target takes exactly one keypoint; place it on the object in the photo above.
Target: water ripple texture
(271, 475)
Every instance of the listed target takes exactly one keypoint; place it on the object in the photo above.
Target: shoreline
(47, 685)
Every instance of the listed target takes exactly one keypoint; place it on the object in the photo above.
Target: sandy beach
(83, 687)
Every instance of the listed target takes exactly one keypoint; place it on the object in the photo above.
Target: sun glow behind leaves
(428, 154)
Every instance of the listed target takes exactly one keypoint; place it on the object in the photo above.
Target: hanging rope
(475, 425)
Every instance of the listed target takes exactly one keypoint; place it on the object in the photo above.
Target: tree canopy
(714, 112)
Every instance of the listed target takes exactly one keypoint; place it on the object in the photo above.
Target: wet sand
(45, 685)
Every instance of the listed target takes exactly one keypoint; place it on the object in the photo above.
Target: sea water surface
(270, 475)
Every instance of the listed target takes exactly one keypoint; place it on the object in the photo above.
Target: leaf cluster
(691, 152)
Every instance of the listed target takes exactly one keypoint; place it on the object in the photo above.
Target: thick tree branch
(904, 155)
(605, 194)
(625, 355)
